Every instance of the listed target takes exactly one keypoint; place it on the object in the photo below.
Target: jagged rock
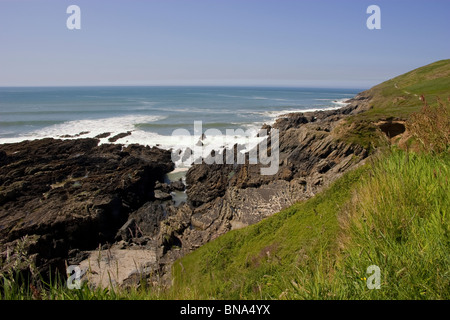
(207, 182)
(161, 195)
(178, 185)
(163, 187)
(119, 136)
(146, 220)
(103, 135)
(127, 231)
(73, 193)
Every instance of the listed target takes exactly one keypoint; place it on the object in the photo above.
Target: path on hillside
(407, 92)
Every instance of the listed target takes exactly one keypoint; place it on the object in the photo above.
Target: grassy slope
(397, 98)
(400, 96)
(252, 262)
(392, 213)
(398, 219)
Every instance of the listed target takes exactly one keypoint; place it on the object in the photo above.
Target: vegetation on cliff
(392, 102)
(392, 212)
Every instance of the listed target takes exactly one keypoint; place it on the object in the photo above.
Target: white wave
(14, 139)
(274, 115)
(341, 102)
(95, 127)
(181, 143)
(87, 128)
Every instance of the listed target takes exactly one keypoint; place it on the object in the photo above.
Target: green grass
(393, 213)
(400, 96)
(249, 263)
(12, 288)
(397, 98)
(397, 219)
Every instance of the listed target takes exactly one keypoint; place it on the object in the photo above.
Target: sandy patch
(111, 267)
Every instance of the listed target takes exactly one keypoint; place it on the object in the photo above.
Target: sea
(153, 116)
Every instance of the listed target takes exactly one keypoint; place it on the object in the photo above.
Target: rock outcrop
(67, 195)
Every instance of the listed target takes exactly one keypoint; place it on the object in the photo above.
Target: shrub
(431, 126)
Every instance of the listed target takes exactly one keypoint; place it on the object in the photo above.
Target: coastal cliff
(60, 200)
(68, 197)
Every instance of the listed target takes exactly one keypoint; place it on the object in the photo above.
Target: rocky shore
(73, 202)
(60, 197)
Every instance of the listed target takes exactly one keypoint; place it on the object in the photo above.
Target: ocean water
(151, 114)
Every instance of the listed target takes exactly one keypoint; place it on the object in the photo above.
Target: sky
(306, 43)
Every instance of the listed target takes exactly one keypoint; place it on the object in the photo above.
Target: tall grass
(397, 219)
(431, 126)
(400, 222)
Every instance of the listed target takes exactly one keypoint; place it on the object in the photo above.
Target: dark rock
(103, 135)
(206, 182)
(178, 185)
(3, 158)
(82, 133)
(160, 195)
(119, 136)
(145, 221)
(163, 187)
(127, 231)
(73, 193)
(75, 256)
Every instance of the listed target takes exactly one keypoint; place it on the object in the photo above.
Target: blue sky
(218, 42)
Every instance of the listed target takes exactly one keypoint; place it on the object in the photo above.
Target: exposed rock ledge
(70, 195)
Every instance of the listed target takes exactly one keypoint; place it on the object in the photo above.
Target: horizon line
(189, 85)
